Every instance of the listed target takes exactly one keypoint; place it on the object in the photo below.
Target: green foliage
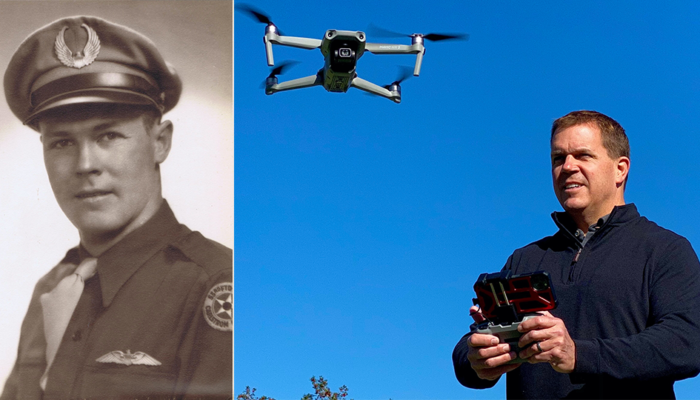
(249, 394)
(322, 392)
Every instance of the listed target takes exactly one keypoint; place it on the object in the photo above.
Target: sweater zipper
(573, 264)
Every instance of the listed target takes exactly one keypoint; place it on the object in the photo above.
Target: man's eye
(59, 144)
(110, 136)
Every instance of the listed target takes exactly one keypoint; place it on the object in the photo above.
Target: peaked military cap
(86, 59)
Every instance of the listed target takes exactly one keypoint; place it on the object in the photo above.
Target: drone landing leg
(268, 51)
(419, 62)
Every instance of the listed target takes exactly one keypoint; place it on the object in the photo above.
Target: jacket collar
(619, 215)
(116, 265)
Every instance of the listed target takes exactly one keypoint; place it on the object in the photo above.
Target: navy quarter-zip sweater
(630, 300)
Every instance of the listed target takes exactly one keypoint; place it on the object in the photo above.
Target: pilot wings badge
(81, 58)
(128, 358)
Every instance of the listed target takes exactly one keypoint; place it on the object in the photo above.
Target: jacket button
(77, 336)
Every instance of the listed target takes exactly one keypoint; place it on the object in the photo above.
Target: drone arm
(417, 48)
(382, 48)
(302, 43)
(271, 37)
(313, 80)
(370, 87)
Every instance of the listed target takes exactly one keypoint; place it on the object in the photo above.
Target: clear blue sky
(361, 225)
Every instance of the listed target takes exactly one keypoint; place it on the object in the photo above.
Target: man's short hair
(151, 118)
(613, 135)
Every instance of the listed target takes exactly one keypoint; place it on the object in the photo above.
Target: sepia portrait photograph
(116, 199)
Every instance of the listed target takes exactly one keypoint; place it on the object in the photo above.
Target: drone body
(341, 50)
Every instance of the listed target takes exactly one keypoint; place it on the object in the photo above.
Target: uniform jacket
(163, 290)
(630, 299)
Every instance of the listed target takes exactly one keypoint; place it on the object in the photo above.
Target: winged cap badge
(81, 58)
(128, 358)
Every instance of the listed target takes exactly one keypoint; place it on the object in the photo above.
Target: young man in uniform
(142, 307)
(627, 323)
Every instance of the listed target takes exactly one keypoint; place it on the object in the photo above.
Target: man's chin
(93, 226)
(573, 206)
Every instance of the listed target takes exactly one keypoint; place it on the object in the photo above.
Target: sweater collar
(618, 216)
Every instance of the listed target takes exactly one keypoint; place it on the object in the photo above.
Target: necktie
(58, 306)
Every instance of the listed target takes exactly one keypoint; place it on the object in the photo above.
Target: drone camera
(345, 52)
(343, 55)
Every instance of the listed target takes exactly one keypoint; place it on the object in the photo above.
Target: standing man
(142, 307)
(628, 320)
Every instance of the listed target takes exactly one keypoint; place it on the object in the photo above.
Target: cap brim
(115, 96)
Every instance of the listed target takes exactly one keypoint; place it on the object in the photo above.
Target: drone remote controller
(507, 300)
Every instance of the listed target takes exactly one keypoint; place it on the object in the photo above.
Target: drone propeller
(278, 70)
(256, 14)
(435, 37)
(405, 73)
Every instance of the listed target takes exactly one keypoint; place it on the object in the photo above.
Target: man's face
(102, 170)
(585, 178)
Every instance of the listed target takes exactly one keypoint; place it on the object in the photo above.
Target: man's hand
(487, 357)
(555, 345)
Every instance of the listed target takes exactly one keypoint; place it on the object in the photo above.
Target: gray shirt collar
(584, 237)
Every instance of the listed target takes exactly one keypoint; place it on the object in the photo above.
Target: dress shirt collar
(116, 265)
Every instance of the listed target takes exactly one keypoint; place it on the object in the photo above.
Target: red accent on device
(527, 293)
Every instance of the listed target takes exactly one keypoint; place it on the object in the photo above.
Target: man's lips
(87, 194)
(572, 185)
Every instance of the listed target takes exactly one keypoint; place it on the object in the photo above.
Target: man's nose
(88, 160)
(570, 163)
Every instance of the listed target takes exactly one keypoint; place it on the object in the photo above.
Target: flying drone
(341, 50)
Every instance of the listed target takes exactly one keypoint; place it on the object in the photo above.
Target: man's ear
(623, 169)
(163, 137)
